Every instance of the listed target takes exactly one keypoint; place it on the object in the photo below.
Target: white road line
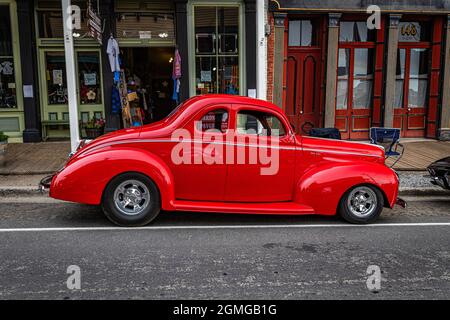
(268, 226)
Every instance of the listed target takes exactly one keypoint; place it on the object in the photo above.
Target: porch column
(444, 130)
(332, 60)
(278, 58)
(25, 10)
(391, 64)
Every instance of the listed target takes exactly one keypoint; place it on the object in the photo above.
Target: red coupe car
(222, 153)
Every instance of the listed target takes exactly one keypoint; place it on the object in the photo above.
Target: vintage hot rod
(229, 154)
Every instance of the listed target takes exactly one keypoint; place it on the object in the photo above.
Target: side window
(259, 123)
(216, 120)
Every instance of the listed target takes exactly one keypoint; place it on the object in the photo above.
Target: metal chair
(388, 138)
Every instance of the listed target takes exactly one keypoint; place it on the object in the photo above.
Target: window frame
(266, 112)
(192, 42)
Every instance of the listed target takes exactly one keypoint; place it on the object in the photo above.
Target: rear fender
(85, 178)
(322, 187)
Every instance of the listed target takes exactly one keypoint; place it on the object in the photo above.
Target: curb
(6, 191)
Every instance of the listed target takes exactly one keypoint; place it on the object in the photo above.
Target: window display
(56, 78)
(89, 78)
(217, 49)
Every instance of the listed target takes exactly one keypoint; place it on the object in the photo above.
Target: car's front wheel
(361, 204)
(131, 199)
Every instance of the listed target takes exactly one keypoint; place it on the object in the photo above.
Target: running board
(287, 208)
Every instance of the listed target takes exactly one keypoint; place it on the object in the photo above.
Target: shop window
(7, 68)
(216, 120)
(302, 33)
(216, 49)
(362, 78)
(89, 78)
(343, 76)
(355, 31)
(415, 75)
(56, 78)
(418, 78)
(414, 31)
(146, 25)
(259, 123)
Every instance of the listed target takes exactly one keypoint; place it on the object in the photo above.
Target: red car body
(313, 173)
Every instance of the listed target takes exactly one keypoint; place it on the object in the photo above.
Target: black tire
(349, 213)
(150, 207)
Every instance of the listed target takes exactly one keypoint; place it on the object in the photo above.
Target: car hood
(342, 147)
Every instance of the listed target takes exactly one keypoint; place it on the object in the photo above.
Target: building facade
(212, 38)
(326, 68)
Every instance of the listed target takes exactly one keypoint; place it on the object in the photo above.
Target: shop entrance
(303, 69)
(148, 72)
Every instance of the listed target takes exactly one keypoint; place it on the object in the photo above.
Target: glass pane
(294, 32)
(346, 31)
(248, 123)
(206, 75)
(398, 102)
(205, 29)
(7, 68)
(216, 120)
(228, 29)
(363, 64)
(229, 75)
(343, 74)
(89, 78)
(149, 25)
(401, 58)
(342, 94)
(362, 94)
(419, 63)
(343, 63)
(56, 77)
(275, 125)
(50, 24)
(5, 32)
(414, 31)
(417, 93)
(301, 33)
(355, 31)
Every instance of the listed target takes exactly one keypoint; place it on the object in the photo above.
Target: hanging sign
(409, 32)
(94, 24)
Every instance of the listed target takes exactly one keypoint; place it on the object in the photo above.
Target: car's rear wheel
(361, 204)
(131, 199)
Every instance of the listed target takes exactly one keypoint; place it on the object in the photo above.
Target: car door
(269, 179)
(201, 173)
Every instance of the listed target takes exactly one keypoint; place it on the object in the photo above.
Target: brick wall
(270, 54)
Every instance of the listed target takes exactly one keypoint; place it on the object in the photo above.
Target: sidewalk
(27, 163)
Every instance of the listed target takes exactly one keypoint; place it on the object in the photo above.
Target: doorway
(148, 72)
(303, 70)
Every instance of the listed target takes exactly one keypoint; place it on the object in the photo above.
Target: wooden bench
(48, 123)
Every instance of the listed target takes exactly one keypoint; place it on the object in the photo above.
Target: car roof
(207, 99)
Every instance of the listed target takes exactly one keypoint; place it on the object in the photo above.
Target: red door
(411, 89)
(355, 90)
(303, 70)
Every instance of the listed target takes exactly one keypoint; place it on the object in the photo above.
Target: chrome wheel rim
(131, 197)
(362, 201)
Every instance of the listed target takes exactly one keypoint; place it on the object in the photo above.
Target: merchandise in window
(89, 78)
(216, 49)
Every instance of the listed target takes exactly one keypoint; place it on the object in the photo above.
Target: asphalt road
(215, 256)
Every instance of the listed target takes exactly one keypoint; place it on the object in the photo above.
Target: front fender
(84, 178)
(322, 187)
